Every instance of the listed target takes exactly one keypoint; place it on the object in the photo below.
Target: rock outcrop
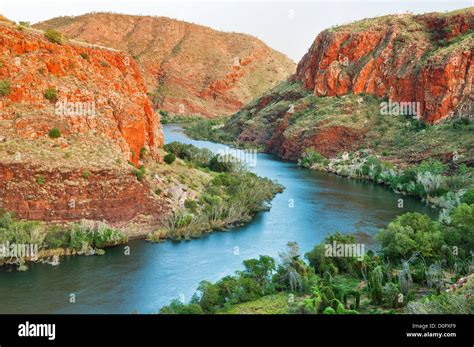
(189, 69)
(425, 59)
(69, 195)
(91, 89)
(361, 85)
(71, 116)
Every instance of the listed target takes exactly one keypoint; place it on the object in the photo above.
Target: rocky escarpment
(426, 59)
(101, 87)
(351, 75)
(37, 193)
(189, 69)
(71, 116)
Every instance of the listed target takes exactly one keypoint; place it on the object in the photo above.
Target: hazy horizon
(289, 27)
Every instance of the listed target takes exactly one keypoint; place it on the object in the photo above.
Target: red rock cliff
(424, 58)
(188, 68)
(97, 99)
(103, 81)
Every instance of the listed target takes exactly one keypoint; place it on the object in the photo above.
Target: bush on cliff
(51, 94)
(5, 87)
(54, 36)
(169, 158)
(54, 133)
(139, 173)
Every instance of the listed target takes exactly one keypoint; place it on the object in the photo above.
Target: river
(312, 205)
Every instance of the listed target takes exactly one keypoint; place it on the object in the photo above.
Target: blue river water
(312, 205)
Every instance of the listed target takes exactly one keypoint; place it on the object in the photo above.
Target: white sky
(288, 26)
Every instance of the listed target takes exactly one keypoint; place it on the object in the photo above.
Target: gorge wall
(98, 101)
(189, 69)
(425, 58)
(334, 101)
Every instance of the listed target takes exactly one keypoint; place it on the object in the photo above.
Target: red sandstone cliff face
(98, 101)
(426, 59)
(106, 80)
(333, 103)
(66, 195)
(188, 68)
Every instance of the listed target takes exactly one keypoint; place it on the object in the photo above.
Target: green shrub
(142, 152)
(139, 173)
(40, 180)
(191, 205)
(329, 310)
(84, 55)
(223, 163)
(208, 129)
(169, 158)
(460, 123)
(312, 158)
(190, 153)
(468, 196)
(434, 166)
(57, 237)
(51, 94)
(330, 263)
(85, 237)
(54, 133)
(54, 36)
(158, 191)
(391, 295)
(5, 87)
(375, 285)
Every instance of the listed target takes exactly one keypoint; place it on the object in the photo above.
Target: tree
(177, 307)
(460, 233)
(261, 270)
(323, 262)
(468, 196)
(375, 285)
(292, 272)
(409, 234)
(54, 36)
(209, 297)
(223, 163)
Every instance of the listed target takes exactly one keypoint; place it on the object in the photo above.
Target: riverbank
(205, 192)
(423, 266)
(439, 176)
(22, 242)
(232, 196)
